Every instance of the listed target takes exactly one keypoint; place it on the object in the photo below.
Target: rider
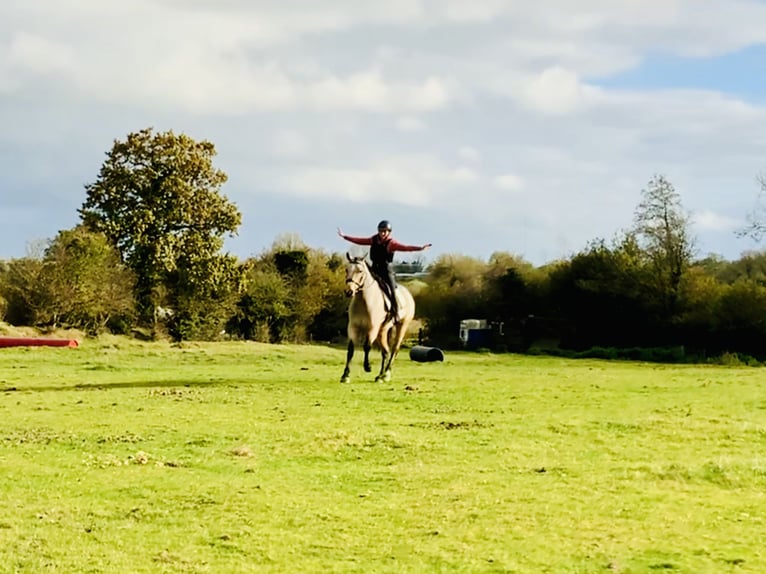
(382, 248)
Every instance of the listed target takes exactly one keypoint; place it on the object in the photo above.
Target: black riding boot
(394, 305)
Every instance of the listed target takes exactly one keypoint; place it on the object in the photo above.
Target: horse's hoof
(345, 379)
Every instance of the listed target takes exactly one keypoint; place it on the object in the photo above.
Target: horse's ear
(348, 256)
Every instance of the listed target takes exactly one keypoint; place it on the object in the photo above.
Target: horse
(369, 321)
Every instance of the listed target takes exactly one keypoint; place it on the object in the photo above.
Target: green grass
(121, 456)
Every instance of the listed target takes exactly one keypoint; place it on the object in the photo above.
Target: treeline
(607, 296)
(290, 293)
(147, 260)
(611, 298)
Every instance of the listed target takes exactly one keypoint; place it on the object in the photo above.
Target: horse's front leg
(367, 347)
(345, 378)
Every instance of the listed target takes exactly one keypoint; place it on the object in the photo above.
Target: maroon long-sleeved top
(392, 246)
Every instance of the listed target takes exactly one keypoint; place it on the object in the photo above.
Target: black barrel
(426, 354)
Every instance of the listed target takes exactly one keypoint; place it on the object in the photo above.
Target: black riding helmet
(384, 225)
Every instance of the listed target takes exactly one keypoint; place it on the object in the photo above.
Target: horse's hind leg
(399, 333)
(383, 375)
(367, 347)
(345, 378)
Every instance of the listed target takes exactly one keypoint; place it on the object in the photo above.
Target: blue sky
(476, 125)
(741, 74)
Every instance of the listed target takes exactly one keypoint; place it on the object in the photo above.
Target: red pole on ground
(36, 342)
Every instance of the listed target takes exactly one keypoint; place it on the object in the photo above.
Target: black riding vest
(379, 252)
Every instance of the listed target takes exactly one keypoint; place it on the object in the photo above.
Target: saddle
(386, 298)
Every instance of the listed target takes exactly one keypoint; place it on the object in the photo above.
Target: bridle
(358, 286)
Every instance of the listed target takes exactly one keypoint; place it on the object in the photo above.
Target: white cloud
(410, 124)
(509, 182)
(291, 144)
(469, 154)
(238, 57)
(369, 91)
(360, 185)
(711, 221)
(404, 180)
(40, 55)
(206, 59)
(464, 175)
(555, 91)
(451, 104)
(472, 10)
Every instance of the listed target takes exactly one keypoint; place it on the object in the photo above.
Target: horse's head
(356, 275)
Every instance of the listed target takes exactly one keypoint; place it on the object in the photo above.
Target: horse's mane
(360, 259)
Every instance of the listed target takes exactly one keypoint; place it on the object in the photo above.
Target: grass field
(120, 456)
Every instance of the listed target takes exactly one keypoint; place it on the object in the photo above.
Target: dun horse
(368, 319)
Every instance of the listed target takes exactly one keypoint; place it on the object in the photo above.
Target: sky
(480, 126)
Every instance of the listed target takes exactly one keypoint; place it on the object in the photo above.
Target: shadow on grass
(138, 384)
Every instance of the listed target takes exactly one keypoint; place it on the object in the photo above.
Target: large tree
(158, 199)
(662, 229)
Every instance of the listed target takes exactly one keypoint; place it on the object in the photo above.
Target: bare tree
(756, 219)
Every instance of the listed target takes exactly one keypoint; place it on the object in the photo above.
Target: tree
(292, 293)
(456, 291)
(18, 287)
(203, 294)
(756, 219)
(157, 198)
(512, 290)
(83, 283)
(77, 282)
(320, 303)
(599, 296)
(264, 304)
(741, 318)
(662, 230)
(751, 265)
